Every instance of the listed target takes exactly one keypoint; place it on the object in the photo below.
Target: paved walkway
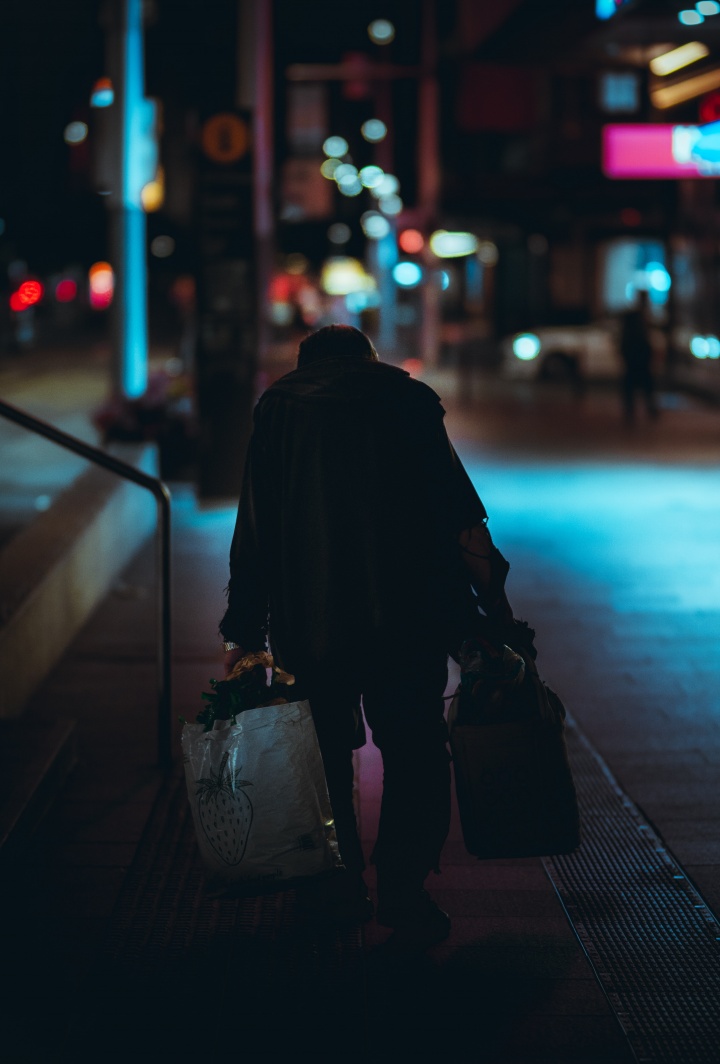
(512, 985)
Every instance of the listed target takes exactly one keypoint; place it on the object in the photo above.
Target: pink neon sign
(660, 151)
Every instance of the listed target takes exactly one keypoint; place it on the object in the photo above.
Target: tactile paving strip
(186, 975)
(652, 940)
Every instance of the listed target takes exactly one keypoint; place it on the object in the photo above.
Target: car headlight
(526, 346)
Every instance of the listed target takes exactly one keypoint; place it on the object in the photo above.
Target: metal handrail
(162, 497)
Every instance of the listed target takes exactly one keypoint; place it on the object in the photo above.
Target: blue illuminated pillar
(132, 129)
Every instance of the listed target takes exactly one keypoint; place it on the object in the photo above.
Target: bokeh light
(75, 132)
(371, 176)
(708, 7)
(390, 204)
(389, 186)
(297, 263)
(413, 366)
(335, 147)
(66, 290)
(103, 93)
(381, 31)
(329, 167)
(658, 277)
(690, 18)
(526, 346)
(407, 274)
(162, 246)
(342, 275)
(29, 293)
(357, 302)
(411, 241)
(447, 245)
(345, 170)
(339, 233)
(375, 226)
(101, 281)
(677, 58)
(350, 185)
(705, 347)
(488, 253)
(152, 195)
(374, 130)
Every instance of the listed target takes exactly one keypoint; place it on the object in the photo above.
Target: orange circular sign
(225, 138)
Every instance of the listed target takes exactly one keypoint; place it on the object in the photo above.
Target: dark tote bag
(514, 786)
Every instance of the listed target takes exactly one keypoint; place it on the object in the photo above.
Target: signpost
(227, 298)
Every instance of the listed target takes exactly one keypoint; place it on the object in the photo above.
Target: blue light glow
(381, 31)
(407, 274)
(350, 185)
(690, 18)
(605, 9)
(134, 319)
(657, 277)
(526, 346)
(104, 97)
(699, 347)
(335, 147)
(375, 225)
(371, 176)
(374, 130)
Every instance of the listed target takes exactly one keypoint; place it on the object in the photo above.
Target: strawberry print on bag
(225, 813)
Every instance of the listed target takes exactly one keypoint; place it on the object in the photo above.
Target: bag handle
(259, 657)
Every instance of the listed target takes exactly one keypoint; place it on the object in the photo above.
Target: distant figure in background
(637, 354)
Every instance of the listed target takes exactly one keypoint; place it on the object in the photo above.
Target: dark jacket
(346, 536)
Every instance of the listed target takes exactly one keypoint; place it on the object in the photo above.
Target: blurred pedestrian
(358, 543)
(636, 351)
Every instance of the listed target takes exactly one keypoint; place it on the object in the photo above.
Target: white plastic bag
(258, 796)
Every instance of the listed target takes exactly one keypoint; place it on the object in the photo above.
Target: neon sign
(661, 151)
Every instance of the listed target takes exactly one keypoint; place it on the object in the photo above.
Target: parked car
(563, 352)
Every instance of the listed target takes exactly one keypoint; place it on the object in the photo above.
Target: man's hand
(231, 657)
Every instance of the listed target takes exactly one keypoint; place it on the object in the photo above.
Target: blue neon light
(605, 9)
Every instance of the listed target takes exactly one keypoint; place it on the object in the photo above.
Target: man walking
(358, 543)
(637, 355)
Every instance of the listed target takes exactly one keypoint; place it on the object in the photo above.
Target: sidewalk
(114, 950)
(510, 986)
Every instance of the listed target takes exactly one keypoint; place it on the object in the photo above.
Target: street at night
(245, 247)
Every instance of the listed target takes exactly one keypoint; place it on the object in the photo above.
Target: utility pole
(130, 163)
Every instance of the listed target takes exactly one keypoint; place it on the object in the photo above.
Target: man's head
(335, 341)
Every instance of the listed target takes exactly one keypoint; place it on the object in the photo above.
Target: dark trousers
(402, 700)
(638, 379)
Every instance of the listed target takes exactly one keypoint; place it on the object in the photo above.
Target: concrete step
(55, 571)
